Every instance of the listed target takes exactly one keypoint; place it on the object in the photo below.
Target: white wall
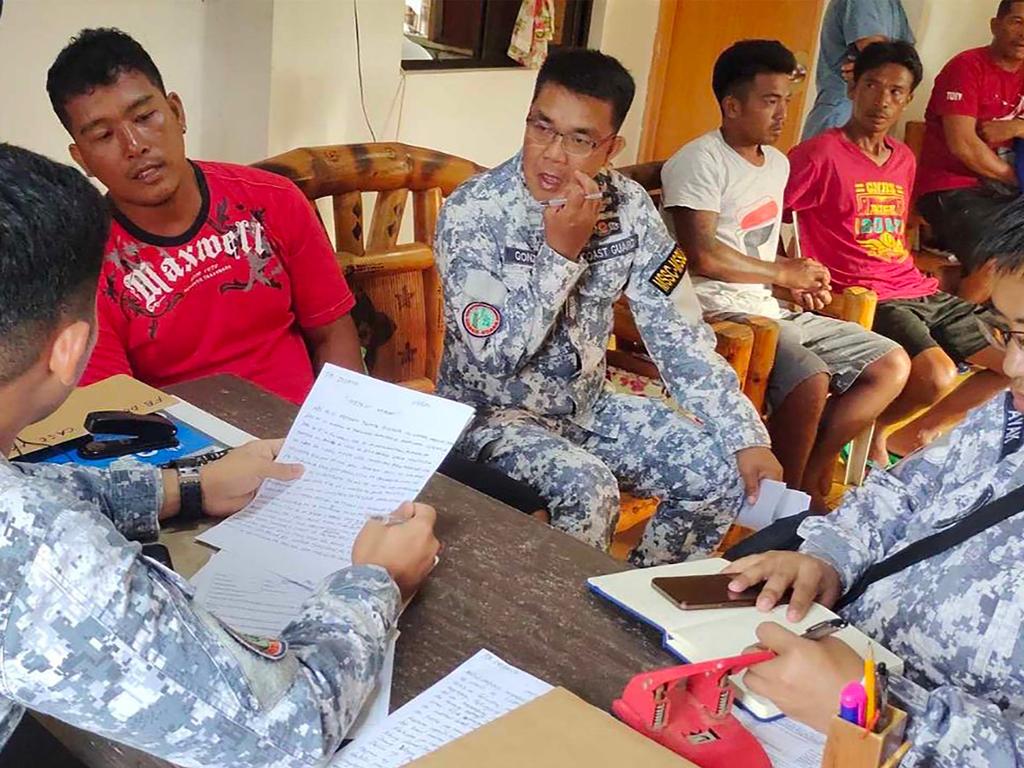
(943, 28)
(32, 32)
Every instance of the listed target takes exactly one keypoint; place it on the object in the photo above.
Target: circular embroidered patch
(481, 319)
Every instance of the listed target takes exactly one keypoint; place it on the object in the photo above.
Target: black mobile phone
(695, 593)
(158, 552)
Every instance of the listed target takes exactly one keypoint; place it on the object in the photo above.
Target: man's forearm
(338, 344)
(982, 160)
(729, 265)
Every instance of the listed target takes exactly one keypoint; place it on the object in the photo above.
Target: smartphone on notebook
(695, 593)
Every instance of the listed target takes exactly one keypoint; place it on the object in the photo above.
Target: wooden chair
(942, 269)
(399, 309)
(749, 347)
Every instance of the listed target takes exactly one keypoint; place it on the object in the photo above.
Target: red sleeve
(109, 356)
(320, 294)
(805, 186)
(957, 88)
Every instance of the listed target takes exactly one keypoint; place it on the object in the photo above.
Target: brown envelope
(555, 730)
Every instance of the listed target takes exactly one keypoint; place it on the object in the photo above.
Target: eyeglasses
(998, 336)
(540, 132)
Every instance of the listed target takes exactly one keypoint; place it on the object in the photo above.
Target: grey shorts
(811, 344)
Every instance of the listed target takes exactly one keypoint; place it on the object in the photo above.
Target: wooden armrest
(420, 385)
(410, 257)
(855, 305)
(735, 342)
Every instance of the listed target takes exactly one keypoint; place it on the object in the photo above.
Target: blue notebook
(716, 633)
(190, 442)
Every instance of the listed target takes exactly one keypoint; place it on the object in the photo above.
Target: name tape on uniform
(611, 250)
(519, 256)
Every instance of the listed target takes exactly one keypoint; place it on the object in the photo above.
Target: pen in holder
(850, 746)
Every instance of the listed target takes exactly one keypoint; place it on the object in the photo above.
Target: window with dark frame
(465, 34)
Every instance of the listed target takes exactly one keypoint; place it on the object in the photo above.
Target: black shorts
(960, 219)
(939, 320)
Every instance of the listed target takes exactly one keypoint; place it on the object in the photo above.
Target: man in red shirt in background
(210, 267)
(967, 176)
(849, 189)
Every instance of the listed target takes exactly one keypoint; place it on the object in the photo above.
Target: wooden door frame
(656, 79)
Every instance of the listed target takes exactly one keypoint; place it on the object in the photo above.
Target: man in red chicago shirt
(849, 190)
(210, 267)
(967, 175)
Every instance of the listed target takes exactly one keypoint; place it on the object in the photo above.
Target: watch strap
(191, 491)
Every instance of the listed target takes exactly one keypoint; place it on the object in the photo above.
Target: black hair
(741, 62)
(889, 52)
(53, 229)
(1005, 6)
(1004, 238)
(96, 57)
(590, 73)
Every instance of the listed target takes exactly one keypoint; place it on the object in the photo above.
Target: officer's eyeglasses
(577, 144)
(998, 335)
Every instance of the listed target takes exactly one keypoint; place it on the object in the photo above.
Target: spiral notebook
(718, 632)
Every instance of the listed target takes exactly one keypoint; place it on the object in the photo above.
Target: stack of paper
(366, 447)
(482, 689)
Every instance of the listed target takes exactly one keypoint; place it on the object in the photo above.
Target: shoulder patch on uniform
(666, 277)
(268, 647)
(480, 319)
(1013, 428)
(519, 256)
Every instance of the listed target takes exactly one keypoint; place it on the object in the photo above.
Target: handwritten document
(789, 744)
(366, 446)
(480, 690)
(247, 597)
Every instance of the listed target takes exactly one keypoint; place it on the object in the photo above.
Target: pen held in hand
(557, 202)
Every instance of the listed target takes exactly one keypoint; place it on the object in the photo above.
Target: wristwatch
(191, 492)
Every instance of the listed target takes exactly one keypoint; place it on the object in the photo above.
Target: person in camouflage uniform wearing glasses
(97, 635)
(955, 618)
(532, 255)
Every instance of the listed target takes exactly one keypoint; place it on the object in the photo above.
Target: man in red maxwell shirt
(210, 267)
(849, 189)
(967, 177)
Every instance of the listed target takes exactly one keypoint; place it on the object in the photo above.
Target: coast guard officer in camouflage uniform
(529, 290)
(954, 618)
(96, 635)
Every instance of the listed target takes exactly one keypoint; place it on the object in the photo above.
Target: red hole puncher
(688, 709)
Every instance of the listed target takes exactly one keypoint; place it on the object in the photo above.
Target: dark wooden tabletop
(506, 582)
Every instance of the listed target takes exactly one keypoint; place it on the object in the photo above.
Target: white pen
(559, 201)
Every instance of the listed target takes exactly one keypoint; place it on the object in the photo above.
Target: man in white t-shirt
(722, 195)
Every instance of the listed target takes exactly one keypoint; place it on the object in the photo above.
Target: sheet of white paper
(247, 596)
(480, 690)
(761, 513)
(260, 603)
(789, 744)
(209, 424)
(367, 446)
(792, 503)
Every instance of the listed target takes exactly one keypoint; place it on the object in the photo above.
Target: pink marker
(853, 701)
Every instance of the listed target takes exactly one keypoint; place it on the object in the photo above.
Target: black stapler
(142, 432)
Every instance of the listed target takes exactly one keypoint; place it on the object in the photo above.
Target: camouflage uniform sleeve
(950, 728)
(130, 493)
(108, 642)
(502, 317)
(682, 345)
(874, 517)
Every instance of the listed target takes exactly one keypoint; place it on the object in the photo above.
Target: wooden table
(506, 582)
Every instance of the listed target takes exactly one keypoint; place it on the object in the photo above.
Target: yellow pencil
(869, 687)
